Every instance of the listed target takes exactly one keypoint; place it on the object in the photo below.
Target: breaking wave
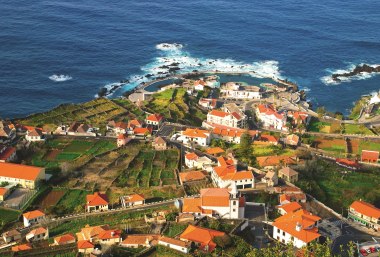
(328, 80)
(173, 59)
(59, 78)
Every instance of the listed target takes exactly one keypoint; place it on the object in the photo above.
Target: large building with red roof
(7, 153)
(365, 213)
(26, 176)
(196, 136)
(154, 119)
(269, 117)
(202, 237)
(234, 119)
(298, 228)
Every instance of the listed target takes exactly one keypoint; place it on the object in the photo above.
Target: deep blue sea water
(102, 42)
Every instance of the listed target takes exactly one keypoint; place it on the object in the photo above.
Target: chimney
(298, 227)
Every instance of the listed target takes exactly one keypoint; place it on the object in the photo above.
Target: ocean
(98, 43)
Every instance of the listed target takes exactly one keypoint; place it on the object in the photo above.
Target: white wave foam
(174, 59)
(327, 80)
(59, 78)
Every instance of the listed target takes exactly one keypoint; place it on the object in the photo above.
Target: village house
(26, 176)
(236, 90)
(81, 129)
(175, 244)
(154, 120)
(7, 153)
(4, 192)
(37, 234)
(199, 85)
(140, 240)
(288, 197)
(97, 202)
(192, 160)
(33, 217)
(132, 200)
(64, 239)
(91, 233)
(292, 140)
(233, 120)
(158, 217)
(266, 140)
(288, 174)
(132, 124)
(191, 176)
(270, 178)
(23, 247)
(268, 116)
(231, 135)
(216, 202)
(35, 135)
(365, 214)
(109, 237)
(347, 163)
(271, 162)
(297, 228)
(122, 140)
(208, 103)
(226, 175)
(85, 247)
(196, 136)
(214, 151)
(117, 127)
(202, 237)
(159, 144)
(7, 132)
(11, 236)
(299, 117)
(142, 132)
(289, 208)
(370, 156)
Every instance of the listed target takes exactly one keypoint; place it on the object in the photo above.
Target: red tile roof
(19, 171)
(275, 160)
(201, 235)
(216, 197)
(370, 155)
(173, 241)
(141, 131)
(191, 156)
(7, 153)
(268, 138)
(109, 234)
(134, 198)
(84, 244)
(366, 209)
(290, 207)
(214, 150)
(192, 205)
(155, 117)
(218, 113)
(33, 214)
(191, 176)
(22, 247)
(196, 133)
(3, 191)
(347, 162)
(64, 239)
(97, 199)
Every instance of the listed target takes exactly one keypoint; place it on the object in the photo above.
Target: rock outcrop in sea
(358, 70)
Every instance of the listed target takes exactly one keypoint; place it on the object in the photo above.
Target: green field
(369, 145)
(8, 215)
(327, 182)
(176, 106)
(318, 126)
(268, 150)
(174, 229)
(356, 129)
(73, 201)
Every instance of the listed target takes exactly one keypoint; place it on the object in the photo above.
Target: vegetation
(174, 229)
(177, 106)
(8, 215)
(266, 150)
(355, 111)
(328, 182)
(72, 202)
(245, 150)
(356, 129)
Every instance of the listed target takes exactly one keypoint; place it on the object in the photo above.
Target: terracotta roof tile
(97, 199)
(366, 209)
(214, 150)
(64, 239)
(290, 207)
(19, 171)
(370, 155)
(22, 247)
(191, 176)
(201, 235)
(155, 117)
(33, 214)
(84, 244)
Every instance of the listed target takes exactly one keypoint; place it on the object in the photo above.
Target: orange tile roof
(366, 209)
(215, 197)
(290, 207)
(224, 170)
(88, 232)
(97, 199)
(141, 131)
(84, 244)
(159, 140)
(219, 113)
(134, 198)
(37, 231)
(192, 205)
(199, 82)
(288, 172)
(370, 155)
(238, 176)
(121, 136)
(64, 239)
(19, 171)
(275, 160)
(121, 125)
(191, 156)
(201, 235)
(7, 153)
(303, 218)
(134, 122)
(173, 241)
(155, 117)
(109, 234)
(214, 150)
(3, 191)
(139, 239)
(268, 138)
(347, 162)
(22, 247)
(223, 161)
(33, 214)
(195, 133)
(191, 176)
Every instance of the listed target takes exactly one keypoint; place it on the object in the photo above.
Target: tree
(222, 241)
(321, 111)
(245, 150)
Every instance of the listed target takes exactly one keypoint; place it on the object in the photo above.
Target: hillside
(176, 106)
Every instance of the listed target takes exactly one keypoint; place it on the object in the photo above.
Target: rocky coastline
(364, 68)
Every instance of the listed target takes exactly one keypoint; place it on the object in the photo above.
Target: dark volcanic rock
(358, 69)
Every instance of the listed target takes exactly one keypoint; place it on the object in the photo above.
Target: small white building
(37, 234)
(33, 217)
(270, 178)
(236, 90)
(132, 200)
(35, 135)
(233, 120)
(196, 136)
(270, 118)
(154, 119)
(175, 244)
(97, 202)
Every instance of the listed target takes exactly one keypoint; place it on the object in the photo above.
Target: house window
(234, 202)
(278, 231)
(283, 233)
(234, 210)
